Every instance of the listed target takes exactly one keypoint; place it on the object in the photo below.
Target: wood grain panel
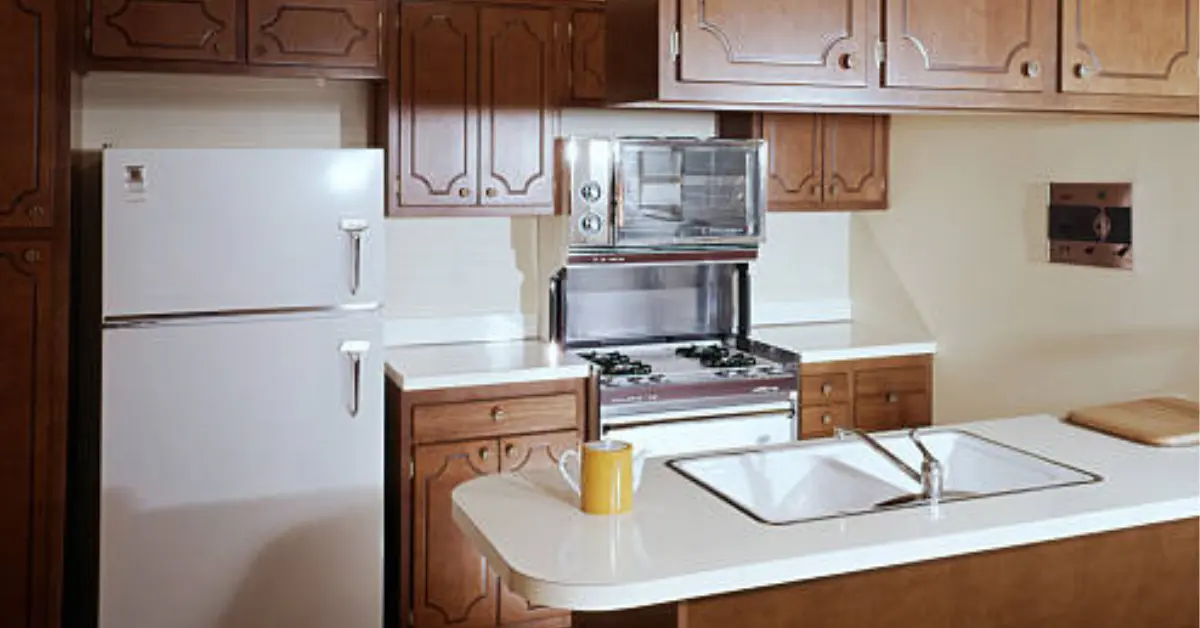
(820, 421)
(336, 33)
(196, 30)
(27, 111)
(996, 45)
(439, 117)
(453, 585)
(880, 382)
(529, 453)
(820, 390)
(586, 73)
(26, 370)
(1146, 47)
(494, 417)
(893, 412)
(774, 41)
(856, 161)
(794, 169)
(518, 117)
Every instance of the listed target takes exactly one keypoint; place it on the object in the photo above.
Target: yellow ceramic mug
(605, 476)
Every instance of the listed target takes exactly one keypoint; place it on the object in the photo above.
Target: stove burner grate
(616, 363)
(716, 356)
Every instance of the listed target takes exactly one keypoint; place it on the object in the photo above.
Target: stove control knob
(634, 380)
(590, 191)
(657, 377)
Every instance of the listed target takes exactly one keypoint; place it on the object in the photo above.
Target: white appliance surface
(685, 437)
(238, 230)
(241, 465)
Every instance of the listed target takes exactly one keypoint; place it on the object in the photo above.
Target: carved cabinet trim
(188, 30)
(340, 33)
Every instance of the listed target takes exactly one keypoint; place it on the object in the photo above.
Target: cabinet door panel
(995, 45)
(194, 30)
(794, 169)
(528, 453)
(439, 124)
(517, 112)
(819, 422)
(856, 161)
(27, 109)
(1146, 47)
(901, 411)
(452, 584)
(330, 33)
(818, 42)
(24, 414)
(585, 42)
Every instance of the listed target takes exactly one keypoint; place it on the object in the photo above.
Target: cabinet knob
(498, 414)
(464, 192)
(1083, 70)
(491, 192)
(892, 397)
(827, 389)
(833, 190)
(1032, 69)
(510, 450)
(826, 419)
(37, 211)
(848, 61)
(484, 453)
(217, 48)
(33, 256)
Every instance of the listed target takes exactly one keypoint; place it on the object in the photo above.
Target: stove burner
(716, 356)
(616, 363)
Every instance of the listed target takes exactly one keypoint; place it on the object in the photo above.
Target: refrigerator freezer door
(242, 473)
(198, 231)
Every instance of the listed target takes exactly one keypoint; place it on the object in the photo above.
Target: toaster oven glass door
(679, 193)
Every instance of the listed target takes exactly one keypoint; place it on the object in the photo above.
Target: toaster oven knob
(591, 223)
(590, 191)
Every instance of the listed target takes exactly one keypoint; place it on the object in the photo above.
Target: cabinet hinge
(412, 621)
(880, 53)
(412, 469)
(87, 30)
(570, 31)
(675, 45)
(382, 36)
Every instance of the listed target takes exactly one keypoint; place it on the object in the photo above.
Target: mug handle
(564, 463)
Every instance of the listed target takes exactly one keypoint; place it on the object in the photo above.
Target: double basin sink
(836, 477)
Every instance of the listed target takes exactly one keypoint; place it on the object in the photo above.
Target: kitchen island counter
(683, 543)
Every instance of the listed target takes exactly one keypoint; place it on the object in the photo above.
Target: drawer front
(818, 422)
(822, 390)
(877, 384)
(493, 417)
(905, 410)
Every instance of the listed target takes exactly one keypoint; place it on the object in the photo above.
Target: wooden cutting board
(1159, 421)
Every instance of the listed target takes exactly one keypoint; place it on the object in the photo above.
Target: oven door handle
(767, 414)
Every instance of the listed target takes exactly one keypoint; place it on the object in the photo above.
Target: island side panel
(1146, 576)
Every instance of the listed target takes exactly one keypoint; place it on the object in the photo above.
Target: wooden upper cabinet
(583, 58)
(856, 161)
(439, 126)
(336, 33)
(794, 168)
(800, 42)
(529, 453)
(995, 45)
(1148, 47)
(27, 108)
(517, 106)
(25, 397)
(452, 585)
(191, 30)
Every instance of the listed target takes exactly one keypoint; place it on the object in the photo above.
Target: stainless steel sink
(829, 478)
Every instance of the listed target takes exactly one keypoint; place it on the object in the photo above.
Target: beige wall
(480, 276)
(962, 250)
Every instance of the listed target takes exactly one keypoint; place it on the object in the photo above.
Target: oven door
(671, 438)
(689, 192)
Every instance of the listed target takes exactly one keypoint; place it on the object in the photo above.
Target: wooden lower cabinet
(872, 395)
(448, 583)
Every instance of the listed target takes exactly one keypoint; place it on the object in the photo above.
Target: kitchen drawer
(493, 417)
(822, 390)
(819, 421)
(905, 409)
(877, 384)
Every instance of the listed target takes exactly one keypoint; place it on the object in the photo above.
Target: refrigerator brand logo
(135, 182)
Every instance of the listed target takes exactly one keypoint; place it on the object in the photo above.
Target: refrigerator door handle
(355, 349)
(355, 228)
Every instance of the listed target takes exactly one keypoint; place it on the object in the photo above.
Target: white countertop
(849, 340)
(424, 367)
(681, 542)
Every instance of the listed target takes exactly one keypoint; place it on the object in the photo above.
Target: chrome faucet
(930, 475)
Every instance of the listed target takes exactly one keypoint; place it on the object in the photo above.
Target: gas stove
(714, 372)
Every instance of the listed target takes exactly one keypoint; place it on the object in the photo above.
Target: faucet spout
(916, 476)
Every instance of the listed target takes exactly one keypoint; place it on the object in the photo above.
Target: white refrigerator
(241, 418)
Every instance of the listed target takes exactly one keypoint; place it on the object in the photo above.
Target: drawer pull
(510, 450)
(484, 453)
(893, 397)
(826, 419)
(498, 414)
(827, 389)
